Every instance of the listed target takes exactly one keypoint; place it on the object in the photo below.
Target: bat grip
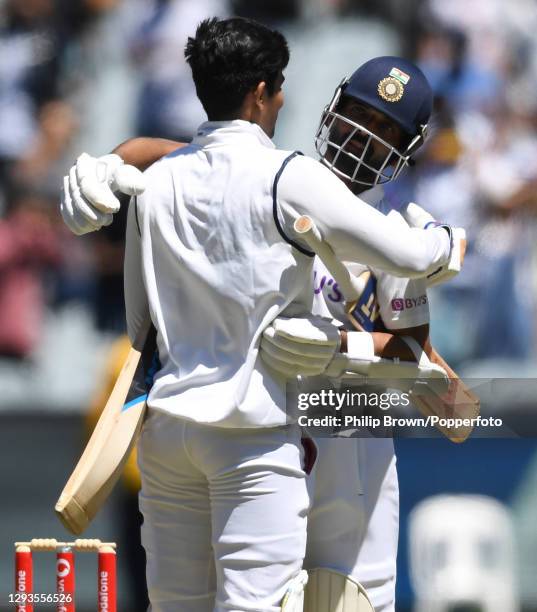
(306, 229)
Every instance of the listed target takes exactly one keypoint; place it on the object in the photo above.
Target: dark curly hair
(229, 57)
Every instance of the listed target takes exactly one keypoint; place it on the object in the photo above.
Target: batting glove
(88, 201)
(300, 346)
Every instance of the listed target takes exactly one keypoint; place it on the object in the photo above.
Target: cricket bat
(459, 402)
(112, 440)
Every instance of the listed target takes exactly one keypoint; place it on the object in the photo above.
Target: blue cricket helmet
(398, 89)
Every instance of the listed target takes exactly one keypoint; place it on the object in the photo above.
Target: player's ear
(260, 94)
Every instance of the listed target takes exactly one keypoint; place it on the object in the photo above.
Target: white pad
(293, 600)
(331, 591)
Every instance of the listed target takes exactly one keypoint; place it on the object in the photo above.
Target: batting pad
(330, 591)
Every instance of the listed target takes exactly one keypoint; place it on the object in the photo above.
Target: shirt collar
(224, 132)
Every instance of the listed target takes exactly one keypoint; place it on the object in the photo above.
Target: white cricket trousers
(224, 514)
(353, 525)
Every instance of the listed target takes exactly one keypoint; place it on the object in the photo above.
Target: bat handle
(306, 229)
(304, 225)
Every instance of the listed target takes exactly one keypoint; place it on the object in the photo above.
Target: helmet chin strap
(417, 141)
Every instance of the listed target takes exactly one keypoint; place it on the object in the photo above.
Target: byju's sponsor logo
(328, 285)
(399, 304)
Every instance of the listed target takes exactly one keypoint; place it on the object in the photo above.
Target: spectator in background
(30, 49)
(442, 53)
(28, 248)
(42, 162)
(269, 12)
(479, 164)
(506, 171)
(444, 183)
(38, 122)
(40, 62)
(166, 77)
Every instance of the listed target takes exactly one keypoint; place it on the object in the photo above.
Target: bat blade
(460, 402)
(112, 440)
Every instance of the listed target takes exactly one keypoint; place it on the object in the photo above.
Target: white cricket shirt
(207, 252)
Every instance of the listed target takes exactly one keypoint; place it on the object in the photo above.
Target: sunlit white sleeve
(355, 230)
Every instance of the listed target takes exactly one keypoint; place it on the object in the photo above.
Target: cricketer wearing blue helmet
(375, 121)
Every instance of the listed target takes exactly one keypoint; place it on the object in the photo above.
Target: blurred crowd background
(83, 75)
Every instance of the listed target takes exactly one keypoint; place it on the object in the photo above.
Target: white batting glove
(416, 216)
(299, 346)
(88, 201)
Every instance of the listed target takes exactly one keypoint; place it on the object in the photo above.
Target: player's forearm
(142, 152)
(391, 347)
(422, 337)
(385, 345)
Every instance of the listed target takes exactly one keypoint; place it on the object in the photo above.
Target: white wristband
(360, 345)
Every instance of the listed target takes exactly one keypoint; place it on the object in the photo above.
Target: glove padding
(88, 201)
(416, 216)
(299, 346)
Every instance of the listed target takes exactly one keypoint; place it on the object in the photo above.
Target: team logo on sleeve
(365, 310)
